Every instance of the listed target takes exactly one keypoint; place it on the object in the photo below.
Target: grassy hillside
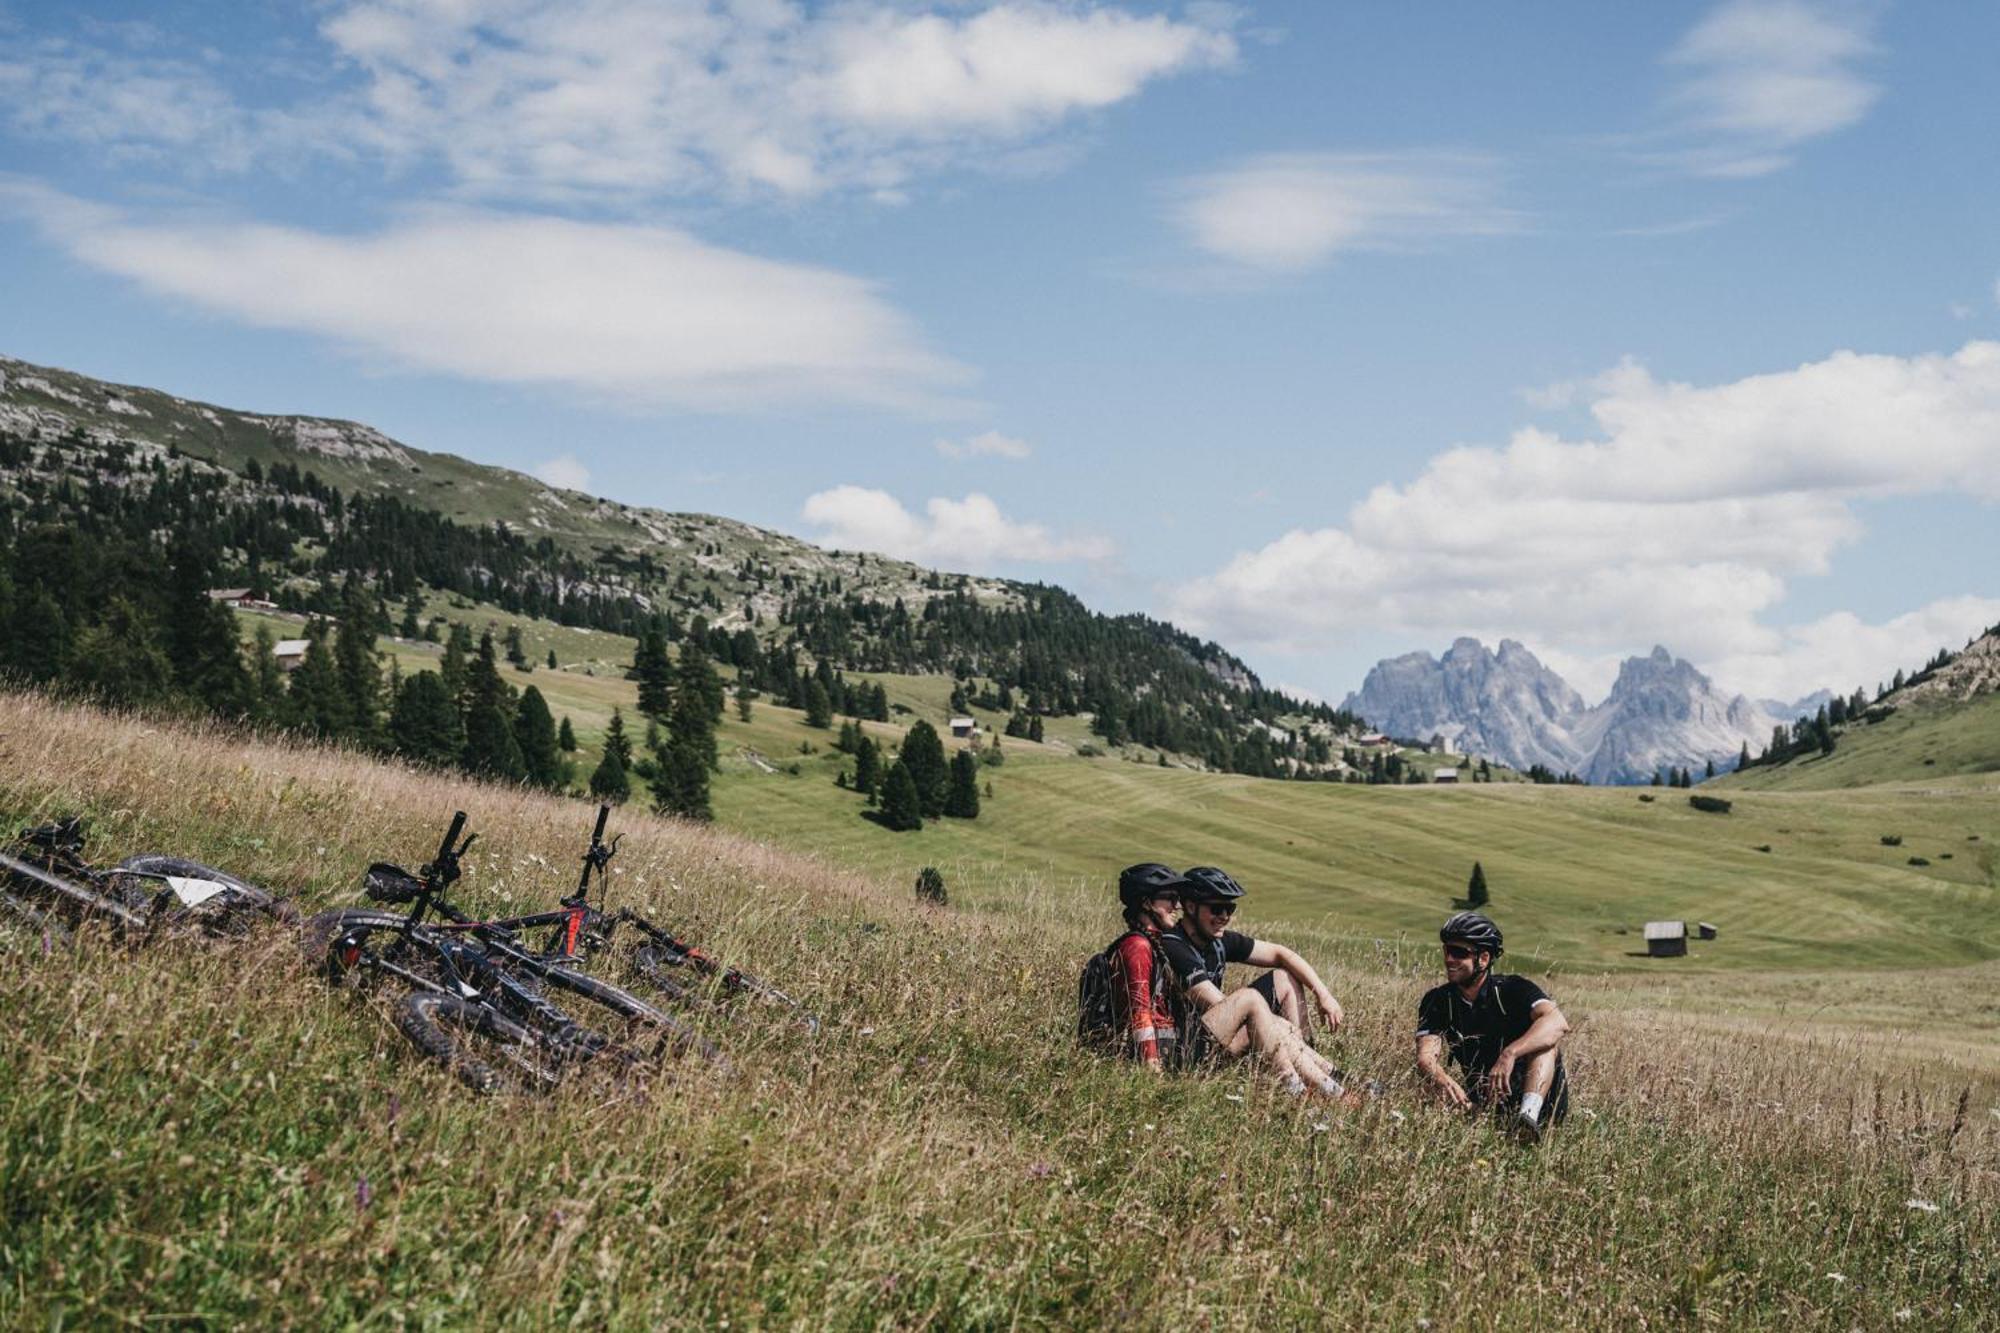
(201, 1136)
(1575, 872)
(1924, 740)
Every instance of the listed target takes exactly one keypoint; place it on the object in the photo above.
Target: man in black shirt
(1500, 1031)
(1267, 1015)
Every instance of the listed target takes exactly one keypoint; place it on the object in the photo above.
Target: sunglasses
(1458, 952)
(1221, 909)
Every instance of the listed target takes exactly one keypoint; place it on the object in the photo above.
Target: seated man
(1501, 1031)
(1266, 1016)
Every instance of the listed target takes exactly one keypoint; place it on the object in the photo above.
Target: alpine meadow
(999, 664)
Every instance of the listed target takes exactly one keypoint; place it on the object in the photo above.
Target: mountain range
(1509, 707)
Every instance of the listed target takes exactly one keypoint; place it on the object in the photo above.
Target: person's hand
(1155, 1065)
(1502, 1074)
(1454, 1096)
(1330, 1010)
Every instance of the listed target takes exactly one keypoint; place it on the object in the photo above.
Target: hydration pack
(1096, 1020)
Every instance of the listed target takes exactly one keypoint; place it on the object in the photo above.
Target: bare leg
(1538, 1074)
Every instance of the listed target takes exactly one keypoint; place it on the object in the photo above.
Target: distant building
(241, 597)
(290, 652)
(1376, 738)
(964, 728)
(1448, 776)
(1704, 930)
(1666, 939)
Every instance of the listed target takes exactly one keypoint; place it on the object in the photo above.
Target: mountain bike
(666, 960)
(473, 998)
(47, 884)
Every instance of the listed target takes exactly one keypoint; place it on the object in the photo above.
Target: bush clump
(1713, 805)
(930, 886)
(1892, 840)
(1646, 798)
(1920, 860)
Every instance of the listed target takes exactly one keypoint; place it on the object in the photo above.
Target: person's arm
(1430, 1062)
(1266, 954)
(1204, 995)
(1135, 977)
(1548, 1028)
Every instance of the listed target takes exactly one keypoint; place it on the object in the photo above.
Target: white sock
(1295, 1085)
(1531, 1106)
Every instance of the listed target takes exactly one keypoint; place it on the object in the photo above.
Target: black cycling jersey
(1474, 1031)
(1195, 963)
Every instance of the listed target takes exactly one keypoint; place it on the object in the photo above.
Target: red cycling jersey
(1143, 987)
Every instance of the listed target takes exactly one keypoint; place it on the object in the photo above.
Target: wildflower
(1320, 1126)
(868, 1032)
(1920, 1205)
(1231, 1097)
(1836, 1277)
(1040, 1170)
(1398, 1116)
(364, 1195)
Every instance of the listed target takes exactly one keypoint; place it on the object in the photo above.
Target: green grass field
(1927, 742)
(205, 1136)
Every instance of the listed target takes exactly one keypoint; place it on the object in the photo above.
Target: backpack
(1096, 1020)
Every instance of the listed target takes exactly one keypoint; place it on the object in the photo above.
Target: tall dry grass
(205, 1135)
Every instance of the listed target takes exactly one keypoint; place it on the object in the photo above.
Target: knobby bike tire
(247, 900)
(674, 1035)
(483, 1049)
(318, 932)
(31, 882)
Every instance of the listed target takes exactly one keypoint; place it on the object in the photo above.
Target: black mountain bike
(474, 998)
(48, 885)
(579, 932)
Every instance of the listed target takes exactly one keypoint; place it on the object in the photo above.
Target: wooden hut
(1666, 939)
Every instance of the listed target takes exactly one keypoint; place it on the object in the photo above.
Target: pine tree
(356, 665)
(654, 671)
(680, 783)
(901, 809)
(608, 782)
(455, 668)
(696, 673)
(923, 755)
(744, 694)
(535, 732)
(517, 652)
(423, 722)
(1743, 758)
(552, 659)
(692, 720)
(617, 742)
(413, 610)
(315, 703)
(1035, 728)
(1476, 895)
(819, 709)
(491, 748)
(962, 801)
(867, 767)
(566, 736)
(267, 679)
(1709, 772)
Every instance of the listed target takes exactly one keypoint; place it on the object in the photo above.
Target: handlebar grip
(451, 835)
(603, 814)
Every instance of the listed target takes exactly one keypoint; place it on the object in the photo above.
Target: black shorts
(1554, 1107)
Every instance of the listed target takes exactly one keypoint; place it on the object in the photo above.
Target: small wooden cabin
(1704, 930)
(1666, 939)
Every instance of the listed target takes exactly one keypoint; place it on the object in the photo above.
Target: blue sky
(1331, 330)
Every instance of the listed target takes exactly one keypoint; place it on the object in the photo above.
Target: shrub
(1713, 805)
(1646, 797)
(1892, 840)
(1764, 847)
(1920, 860)
(1087, 751)
(930, 886)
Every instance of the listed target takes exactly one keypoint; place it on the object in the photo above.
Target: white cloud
(1683, 524)
(1841, 651)
(565, 472)
(1285, 212)
(988, 444)
(632, 98)
(645, 315)
(971, 533)
(1760, 77)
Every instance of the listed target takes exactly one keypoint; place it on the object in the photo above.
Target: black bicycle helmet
(1207, 884)
(1146, 880)
(1473, 929)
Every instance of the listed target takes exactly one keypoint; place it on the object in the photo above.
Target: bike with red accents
(472, 996)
